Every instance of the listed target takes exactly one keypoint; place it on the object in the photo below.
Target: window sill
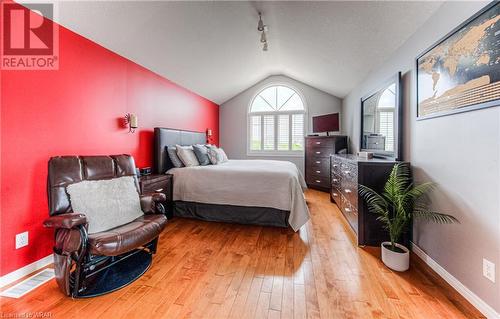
(277, 154)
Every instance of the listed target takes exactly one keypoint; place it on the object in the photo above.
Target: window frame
(276, 152)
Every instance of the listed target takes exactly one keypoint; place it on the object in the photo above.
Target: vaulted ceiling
(213, 49)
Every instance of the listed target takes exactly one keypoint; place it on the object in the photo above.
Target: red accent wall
(78, 110)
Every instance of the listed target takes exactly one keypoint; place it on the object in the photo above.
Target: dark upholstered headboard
(168, 136)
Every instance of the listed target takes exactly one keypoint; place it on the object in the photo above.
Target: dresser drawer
(335, 195)
(321, 163)
(350, 192)
(349, 172)
(159, 186)
(320, 152)
(156, 183)
(320, 142)
(318, 175)
(336, 166)
(322, 168)
(335, 180)
(320, 181)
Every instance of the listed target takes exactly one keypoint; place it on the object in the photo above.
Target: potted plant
(396, 207)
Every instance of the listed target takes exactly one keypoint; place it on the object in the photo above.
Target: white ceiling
(212, 48)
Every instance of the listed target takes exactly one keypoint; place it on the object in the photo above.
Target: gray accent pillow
(106, 203)
(174, 158)
(201, 152)
(187, 156)
(216, 155)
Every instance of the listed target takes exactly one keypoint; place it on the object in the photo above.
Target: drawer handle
(335, 165)
(318, 172)
(347, 190)
(317, 143)
(335, 194)
(159, 190)
(318, 152)
(318, 181)
(347, 172)
(318, 162)
(347, 210)
(335, 180)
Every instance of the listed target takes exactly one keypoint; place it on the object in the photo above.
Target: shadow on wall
(406, 85)
(455, 206)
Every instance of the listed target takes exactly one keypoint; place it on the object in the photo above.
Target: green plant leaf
(375, 202)
(399, 202)
(435, 217)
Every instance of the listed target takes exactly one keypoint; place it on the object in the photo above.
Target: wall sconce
(131, 121)
(209, 135)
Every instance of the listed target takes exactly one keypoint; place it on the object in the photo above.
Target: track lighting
(260, 25)
(263, 38)
(262, 28)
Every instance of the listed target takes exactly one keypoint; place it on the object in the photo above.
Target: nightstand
(159, 183)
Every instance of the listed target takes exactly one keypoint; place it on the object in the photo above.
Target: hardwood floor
(215, 270)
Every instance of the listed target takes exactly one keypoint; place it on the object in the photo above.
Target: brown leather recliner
(89, 265)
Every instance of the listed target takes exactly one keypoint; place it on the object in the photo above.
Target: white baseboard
(26, 270)
(477, 302)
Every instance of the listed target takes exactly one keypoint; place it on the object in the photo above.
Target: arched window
(276, 121)
(385, 122)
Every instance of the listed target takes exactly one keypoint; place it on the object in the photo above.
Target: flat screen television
(326, 123)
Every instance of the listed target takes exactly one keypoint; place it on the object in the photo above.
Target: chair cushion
(127, 237)
(106, 203)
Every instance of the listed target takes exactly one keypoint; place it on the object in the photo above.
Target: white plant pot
(394, 260)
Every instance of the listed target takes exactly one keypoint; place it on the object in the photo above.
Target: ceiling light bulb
(260, 26)
(263, 38)
(264, 48)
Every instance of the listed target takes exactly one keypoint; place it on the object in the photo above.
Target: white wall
(460, 152)
(233, 116)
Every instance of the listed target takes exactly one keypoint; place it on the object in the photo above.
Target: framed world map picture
(461, 72)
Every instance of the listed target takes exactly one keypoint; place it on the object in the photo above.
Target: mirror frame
(396, 154)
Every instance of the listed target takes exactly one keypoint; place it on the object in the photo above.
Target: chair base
(117, 276)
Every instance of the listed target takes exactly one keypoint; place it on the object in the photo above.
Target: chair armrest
(149, 202)
(67, 221)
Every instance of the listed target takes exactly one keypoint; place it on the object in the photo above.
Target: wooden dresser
(347, 172)
(318, 151)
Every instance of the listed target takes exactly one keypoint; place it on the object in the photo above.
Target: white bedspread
(258, 183)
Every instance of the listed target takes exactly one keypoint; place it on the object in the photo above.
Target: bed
(258, 192)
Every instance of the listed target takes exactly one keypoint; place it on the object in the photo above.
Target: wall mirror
(381, 120)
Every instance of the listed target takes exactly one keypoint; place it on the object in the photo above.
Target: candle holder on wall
(131, 121)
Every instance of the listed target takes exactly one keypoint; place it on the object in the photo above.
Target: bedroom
(275, 224)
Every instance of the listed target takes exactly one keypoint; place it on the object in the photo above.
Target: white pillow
(106, 203)
(224, 156)
(216, 155)
(187, 155)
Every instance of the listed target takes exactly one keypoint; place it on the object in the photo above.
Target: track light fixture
(263, 37)
(262, 28)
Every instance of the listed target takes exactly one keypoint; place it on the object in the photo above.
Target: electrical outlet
(489, 269)
(21, 240)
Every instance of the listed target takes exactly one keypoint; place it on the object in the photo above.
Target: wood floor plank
(217, 270)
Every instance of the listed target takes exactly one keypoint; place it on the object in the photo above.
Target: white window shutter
(255, 133)
(268, 137)
(297, 132)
